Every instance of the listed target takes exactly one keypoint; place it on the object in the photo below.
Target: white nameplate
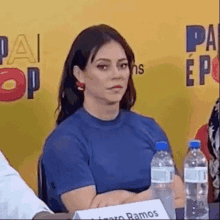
(151, 209)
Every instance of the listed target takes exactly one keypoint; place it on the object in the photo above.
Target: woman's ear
(78, 73)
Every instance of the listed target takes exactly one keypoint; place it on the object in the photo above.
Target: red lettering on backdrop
(19, 90)
(215, 69)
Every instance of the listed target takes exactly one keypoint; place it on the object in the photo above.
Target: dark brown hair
(91, 39)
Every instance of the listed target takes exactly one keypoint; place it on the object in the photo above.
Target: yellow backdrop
(40, 33)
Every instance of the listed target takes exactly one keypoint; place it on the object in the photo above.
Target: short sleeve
(66, 162)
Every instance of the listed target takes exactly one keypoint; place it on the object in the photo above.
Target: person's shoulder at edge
(15, 190)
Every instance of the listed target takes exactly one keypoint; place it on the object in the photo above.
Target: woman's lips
(116, 87)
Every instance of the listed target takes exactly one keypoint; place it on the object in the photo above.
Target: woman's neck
(101, 111)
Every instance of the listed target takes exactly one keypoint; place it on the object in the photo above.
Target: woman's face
(106, 78)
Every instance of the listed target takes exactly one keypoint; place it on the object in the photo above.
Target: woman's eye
(102, 67)
(124, 65)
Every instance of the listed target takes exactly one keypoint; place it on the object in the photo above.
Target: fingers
(95, 202)
(110, 199)
(127, 200)
(103, 204)
(99, 202)
(109, 203)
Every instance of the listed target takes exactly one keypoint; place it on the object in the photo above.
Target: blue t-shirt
(84, 150)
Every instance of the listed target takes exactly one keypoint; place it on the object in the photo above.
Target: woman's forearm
(47, 215)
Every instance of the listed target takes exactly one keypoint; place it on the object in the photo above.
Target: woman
(100, 152)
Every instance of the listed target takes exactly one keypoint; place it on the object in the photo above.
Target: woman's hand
(178, 190)
(115, 197)
(138, 197)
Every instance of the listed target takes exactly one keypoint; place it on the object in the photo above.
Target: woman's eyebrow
(104, 59)
(123, 59)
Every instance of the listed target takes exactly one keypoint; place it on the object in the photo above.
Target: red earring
(80, 85)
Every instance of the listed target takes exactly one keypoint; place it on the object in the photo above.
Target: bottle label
(196, 175)
(162, 174)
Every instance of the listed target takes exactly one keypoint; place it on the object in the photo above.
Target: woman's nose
(116, 73)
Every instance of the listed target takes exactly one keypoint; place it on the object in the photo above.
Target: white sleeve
(17, 199)
(2, 157)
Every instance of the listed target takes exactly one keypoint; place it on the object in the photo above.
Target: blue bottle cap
(194, 144)
(162, 145)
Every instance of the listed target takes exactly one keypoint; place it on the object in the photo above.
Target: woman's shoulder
(68, 130)
(137, 117)
(145, 126)
(143, 122)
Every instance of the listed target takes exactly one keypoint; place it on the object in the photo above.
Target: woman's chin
(115, 99)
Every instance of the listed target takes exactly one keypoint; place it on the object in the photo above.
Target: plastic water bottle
(162, 177)
(196, 183)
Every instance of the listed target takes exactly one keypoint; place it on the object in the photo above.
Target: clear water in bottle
(162, 177)
(196, 183)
